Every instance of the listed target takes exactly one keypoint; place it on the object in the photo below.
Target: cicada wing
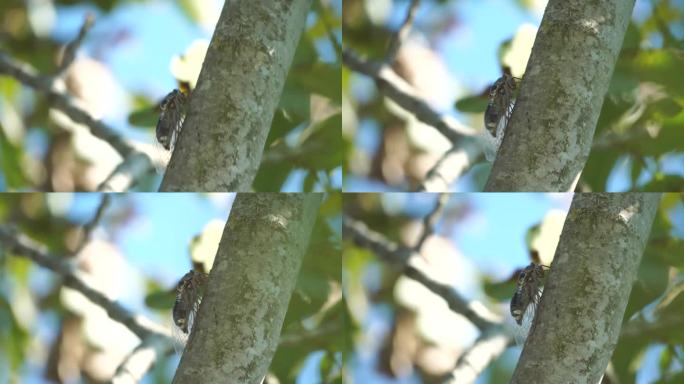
(162, 158)
(528, 319)
(523, 330)
(180, 338)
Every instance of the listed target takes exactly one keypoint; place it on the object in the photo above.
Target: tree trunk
(254, 274)
(231, 109)
(549, 136)
(586, 293)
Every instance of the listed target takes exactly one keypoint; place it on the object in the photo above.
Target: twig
(65, 103)
(140, 361)
(71, 48)
(450, 167)
(21, 245)
(127, 173)
(473, 361)
(402, 33)
(430, 220)
(400, 256)
(90, 225)
(395, 88)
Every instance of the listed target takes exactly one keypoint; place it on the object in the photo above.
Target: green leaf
(632, 38)
(662, 66)
(14, 338)
(323, 144)
(160, 300)
(282, 125)
(146, 117)
(598, 168)
(11, 163)
(650, 284)
(660, 182)
(472, 104)
(637, 167)
(667, 250)
(320, 78)
(666, 107)
(502, 290)
(271, 176)
(309, 181)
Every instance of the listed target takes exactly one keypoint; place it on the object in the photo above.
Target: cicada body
(526, 298)
(189, 293)
(173, 110)
(500, 105)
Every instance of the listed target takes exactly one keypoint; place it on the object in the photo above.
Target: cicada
(173, 110)
(500, 105)
(526, 298)
(189, 292)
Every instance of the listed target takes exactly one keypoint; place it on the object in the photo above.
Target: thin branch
(90, 225)
(140, 361)
(454, 163)
(402, 33)
(70, 50)
(478, 357)
(127, 173)
(430, 220)
(399, 255)
(394, 87)
(22, 246)
(65, 103)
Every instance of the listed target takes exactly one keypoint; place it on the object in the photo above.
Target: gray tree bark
(231, 109)
(249, 288)
(580, 314)
(549, 136)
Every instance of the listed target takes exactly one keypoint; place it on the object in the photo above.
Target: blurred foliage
(304, 140)
(641, 122)
(653, 321)
(313, 325)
